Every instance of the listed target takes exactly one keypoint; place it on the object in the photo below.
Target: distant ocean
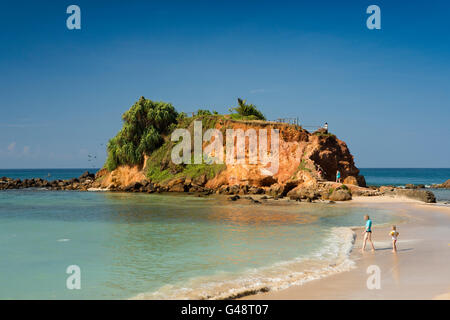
(374, 176)
(172, 246)
(47, 174)
(401, 177)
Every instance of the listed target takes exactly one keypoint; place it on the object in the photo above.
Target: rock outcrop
(414, 186)
(307, 166)
(445, 185)
(415, 194)
(83, 183)
(340, 195)
(305, 160)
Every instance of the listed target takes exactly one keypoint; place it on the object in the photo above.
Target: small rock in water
(234, 198)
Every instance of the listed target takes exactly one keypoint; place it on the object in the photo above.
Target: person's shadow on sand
(390, 248)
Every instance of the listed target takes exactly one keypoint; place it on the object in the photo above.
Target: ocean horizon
(373, 176)
(398, 177)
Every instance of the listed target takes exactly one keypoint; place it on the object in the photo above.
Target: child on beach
(394, 234)
(367, 233)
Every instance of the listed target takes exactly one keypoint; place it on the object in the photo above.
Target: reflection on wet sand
(255, 215)
(395, 269)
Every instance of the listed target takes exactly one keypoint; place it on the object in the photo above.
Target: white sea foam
(98, 189)
(332, 258)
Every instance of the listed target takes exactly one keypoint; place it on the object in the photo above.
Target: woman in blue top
(368, 233)
(338, 176)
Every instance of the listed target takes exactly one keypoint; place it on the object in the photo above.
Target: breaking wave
(333, 257)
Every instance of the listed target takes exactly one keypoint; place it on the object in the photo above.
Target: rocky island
(139, 160)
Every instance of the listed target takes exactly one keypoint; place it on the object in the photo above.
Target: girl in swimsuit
(394, 234)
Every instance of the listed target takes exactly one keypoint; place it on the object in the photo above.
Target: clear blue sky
(385, 92)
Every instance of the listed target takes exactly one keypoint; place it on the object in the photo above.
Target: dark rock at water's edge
(421, 195)
(83, 183)
(322, 191)
(414, 186)
(445, 185)
(87, 175)
(340, 195)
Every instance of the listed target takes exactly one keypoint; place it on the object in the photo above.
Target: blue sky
(385, 92)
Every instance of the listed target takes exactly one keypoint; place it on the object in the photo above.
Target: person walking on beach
(394, 234)
(367, 233)
(338, 176)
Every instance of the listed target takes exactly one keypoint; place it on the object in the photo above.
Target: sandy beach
(419, 270)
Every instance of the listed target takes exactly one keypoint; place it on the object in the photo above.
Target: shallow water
(165, 246)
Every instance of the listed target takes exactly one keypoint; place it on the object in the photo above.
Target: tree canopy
(248, 111)
(144, 124)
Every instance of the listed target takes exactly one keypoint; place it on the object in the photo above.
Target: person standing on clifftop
(338, 176)
(325, 126)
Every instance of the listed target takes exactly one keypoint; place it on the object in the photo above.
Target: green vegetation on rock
(303, 167)
(144, 124)
(246, 111)
(160, 168)
(146, 131)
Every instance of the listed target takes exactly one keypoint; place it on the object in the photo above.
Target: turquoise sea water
(47, 174)
(403, 176)
(171, 246)
(162, 245)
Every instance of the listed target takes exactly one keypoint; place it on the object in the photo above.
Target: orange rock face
(121, 177)
(300, 156)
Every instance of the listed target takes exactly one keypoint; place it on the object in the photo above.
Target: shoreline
(419, 270)
(417, 218)
(351, 264)
(137, 182)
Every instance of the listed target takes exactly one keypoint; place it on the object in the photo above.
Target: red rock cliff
(301, 154)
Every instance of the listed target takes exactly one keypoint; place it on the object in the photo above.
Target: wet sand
(419, 270)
